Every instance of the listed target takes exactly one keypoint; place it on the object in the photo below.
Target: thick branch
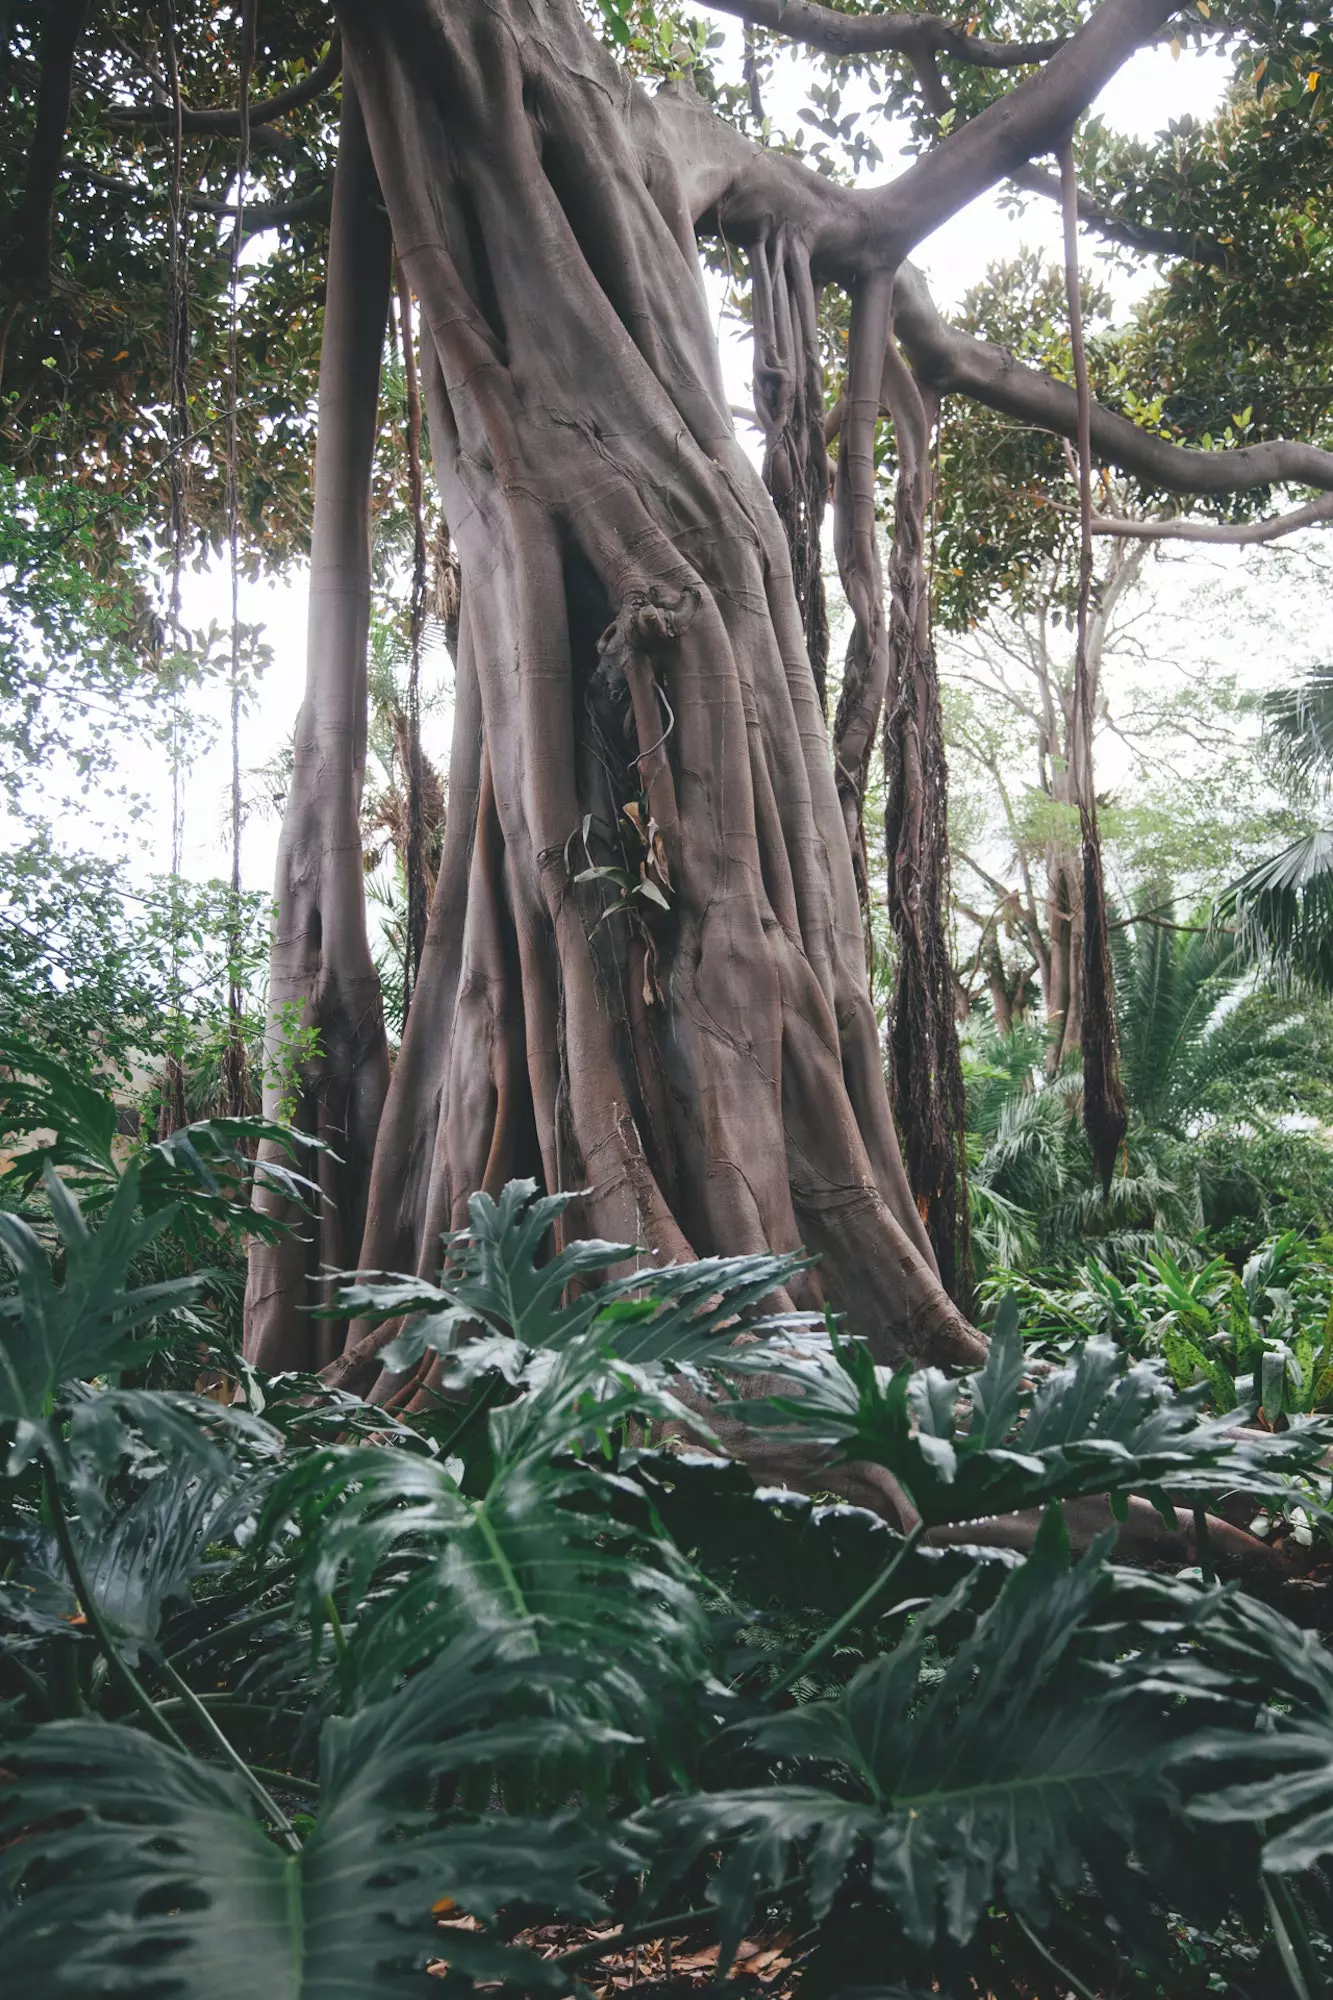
(957, 363)
(28, 265)
(913, 35)
(1028, 120)
(1115, 229)
(227, 119)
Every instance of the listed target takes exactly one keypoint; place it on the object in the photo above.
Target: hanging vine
(172, 1114)
(233, 1059)
(415, 869)
(1105, 1118)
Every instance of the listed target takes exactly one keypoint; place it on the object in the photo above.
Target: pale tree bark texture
(639, 675)
(326, 1063)
(631, 638)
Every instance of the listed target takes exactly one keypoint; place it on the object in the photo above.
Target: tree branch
(1115, 229)
(1030, 119)
(227, 119)
(256, 216)
(1241, 533)
(957, 363)
(913, 35)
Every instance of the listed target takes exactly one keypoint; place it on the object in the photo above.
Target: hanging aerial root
(1105, 1116)
(865, 674)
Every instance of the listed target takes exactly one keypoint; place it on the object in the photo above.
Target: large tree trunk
(710, 1071)
(326, 1060)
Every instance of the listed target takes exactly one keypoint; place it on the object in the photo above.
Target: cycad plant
(1282, 908)
(1199, 1038)
(304, 1701)
(1206, 1048)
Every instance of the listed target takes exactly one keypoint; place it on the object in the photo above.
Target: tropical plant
(306, 1699)
(61, 1130)
(1282, 908)
(1263, 1336)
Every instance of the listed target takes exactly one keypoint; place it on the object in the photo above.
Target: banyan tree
(643, 974)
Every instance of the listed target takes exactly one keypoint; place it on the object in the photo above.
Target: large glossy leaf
(1004, 1777)
(1280, 1778)
(496, 1277)
(557, 1555)
(996, 1441)
(141, 1870)
(135, 1562)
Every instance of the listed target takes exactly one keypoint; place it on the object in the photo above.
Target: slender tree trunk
(1105, 1116)
(708, 1072)
(326, 1060)
(925, 1066)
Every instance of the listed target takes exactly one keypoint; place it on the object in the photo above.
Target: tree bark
(631, 637)
(325, 1054)
(925, 1066)
(643, 971)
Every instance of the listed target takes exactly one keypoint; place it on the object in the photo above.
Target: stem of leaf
(232, 1631)
(1062, 1972)
(478, 1409)
(848, 1618)
(336, 1627)
(116, 1662)
(1293, 1939)
(1203, 1545)
(233, 1756)
(501, 1561)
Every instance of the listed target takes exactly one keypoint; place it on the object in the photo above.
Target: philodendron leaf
(1100, 1424)
(130, 1868)
(499, 1285)
(1003, 1778)
(50, 1333)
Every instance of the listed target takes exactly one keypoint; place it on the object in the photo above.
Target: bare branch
(957, 363)
(256, 216)
(1030, 119)
(227, 119)
(1242, 533)
(1115, 229)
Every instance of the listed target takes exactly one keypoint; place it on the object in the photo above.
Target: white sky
(1149, 92)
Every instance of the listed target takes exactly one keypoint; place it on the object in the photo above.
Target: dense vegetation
(303, 1697)
(896, 1560)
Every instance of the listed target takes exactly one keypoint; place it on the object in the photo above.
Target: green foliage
(285, 1688)
(1262, 1337)
(1097, 1425)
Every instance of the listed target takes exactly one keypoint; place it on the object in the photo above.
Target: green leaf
(140, 1869)
(1003, 1779)
(52, 1334)
(1101, 1424)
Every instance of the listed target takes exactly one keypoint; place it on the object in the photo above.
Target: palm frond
(1298, 731)
(1282, 910)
